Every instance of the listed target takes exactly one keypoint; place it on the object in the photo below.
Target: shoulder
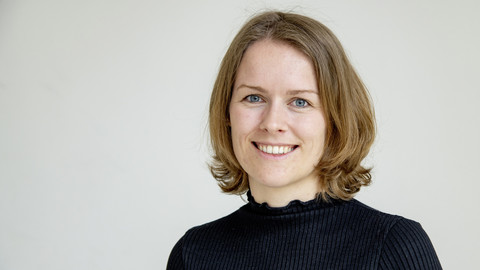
(404, 243)
(199, 237)
(175, 260)
(366, 215)
(407, 246)
(213, 228)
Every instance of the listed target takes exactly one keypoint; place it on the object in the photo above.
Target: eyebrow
(289, 92)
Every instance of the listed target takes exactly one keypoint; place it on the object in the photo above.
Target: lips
(275, 149)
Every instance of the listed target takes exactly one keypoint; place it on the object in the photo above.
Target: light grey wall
(103, 108)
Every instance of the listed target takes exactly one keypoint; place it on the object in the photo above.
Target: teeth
(275, 149)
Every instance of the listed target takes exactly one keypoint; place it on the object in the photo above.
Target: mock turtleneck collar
(295, 206)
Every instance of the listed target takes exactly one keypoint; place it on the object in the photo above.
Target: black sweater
(306, 235)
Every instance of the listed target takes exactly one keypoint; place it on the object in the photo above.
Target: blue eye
(300, 102)
(254, 98)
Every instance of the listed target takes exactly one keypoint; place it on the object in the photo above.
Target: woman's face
(277, 124)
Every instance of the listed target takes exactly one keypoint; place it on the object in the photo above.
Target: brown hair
(345, 101)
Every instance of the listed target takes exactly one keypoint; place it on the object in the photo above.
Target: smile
(275, 149)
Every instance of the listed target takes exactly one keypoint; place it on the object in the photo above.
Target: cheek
(312, 129)
(242, 124)
(242, 121)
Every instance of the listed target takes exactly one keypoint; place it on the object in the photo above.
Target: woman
(290, 123)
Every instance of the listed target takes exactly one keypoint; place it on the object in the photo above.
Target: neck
(281, 196)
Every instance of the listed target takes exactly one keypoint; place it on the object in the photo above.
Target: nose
(274, 119)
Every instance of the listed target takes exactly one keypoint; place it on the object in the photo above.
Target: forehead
(275, 64)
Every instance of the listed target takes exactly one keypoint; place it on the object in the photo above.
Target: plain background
(103, 108)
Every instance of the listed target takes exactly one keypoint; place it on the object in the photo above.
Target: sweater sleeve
(407, 246)
(175, 260)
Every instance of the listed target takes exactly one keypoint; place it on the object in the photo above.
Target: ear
(227, 121)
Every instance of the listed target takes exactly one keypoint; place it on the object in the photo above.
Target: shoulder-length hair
(346, 104)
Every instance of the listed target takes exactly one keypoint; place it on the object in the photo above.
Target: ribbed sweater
(306, 235)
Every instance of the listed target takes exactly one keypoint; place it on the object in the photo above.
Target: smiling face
(277, 124)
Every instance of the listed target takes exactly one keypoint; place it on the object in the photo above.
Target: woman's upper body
(290, 122)
(306, 235)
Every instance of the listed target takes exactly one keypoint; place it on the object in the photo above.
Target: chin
(273, 181)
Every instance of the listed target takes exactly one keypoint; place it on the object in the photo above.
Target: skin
(275, 102)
